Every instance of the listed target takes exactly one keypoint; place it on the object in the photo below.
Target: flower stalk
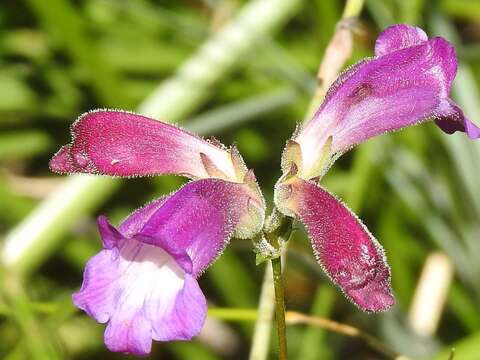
(277, 231)
(271, 246)
(280, 308)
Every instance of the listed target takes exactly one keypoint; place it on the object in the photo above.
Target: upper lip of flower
(119, 143)
(343, 246)
(407, 82)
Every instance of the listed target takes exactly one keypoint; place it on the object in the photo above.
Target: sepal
(265, 251)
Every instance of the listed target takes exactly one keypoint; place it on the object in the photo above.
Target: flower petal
(61, 161)
(200, 218)
(137, 220)
(129, 333)
(450, 118)
(397, 37)
(399, 89)
(345, 249)
(119, 143)
(195, 223)
(187, 317)
(142, 292)
(111, 237)
(95, 296)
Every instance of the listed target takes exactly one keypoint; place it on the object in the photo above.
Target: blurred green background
(417, 190)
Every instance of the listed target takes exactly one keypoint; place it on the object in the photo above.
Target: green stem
(277, 231)
(280, 308)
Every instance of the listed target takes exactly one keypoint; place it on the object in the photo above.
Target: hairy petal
(348, 253)
(119, 143)
(132, 224)
(200, 218)
(406, 84)
(61, 162)
(195, 223)
(397, 37)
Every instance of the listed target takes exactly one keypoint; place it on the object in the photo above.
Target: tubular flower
(407, 82)
(144, 281)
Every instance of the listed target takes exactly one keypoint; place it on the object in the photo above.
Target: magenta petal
(385, 94)
(111, 237)
(194, 224)
(61, 161)
(119, 143)
(199, 219)
(403, 87)
(137, 220)
(397, 37)
(450, 118)
(346, 250)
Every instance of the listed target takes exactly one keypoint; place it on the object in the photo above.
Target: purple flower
(407, 82)
(143, 283)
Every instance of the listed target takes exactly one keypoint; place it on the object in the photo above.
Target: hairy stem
(280, 307)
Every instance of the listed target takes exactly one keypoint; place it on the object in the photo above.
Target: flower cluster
(144, 281)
